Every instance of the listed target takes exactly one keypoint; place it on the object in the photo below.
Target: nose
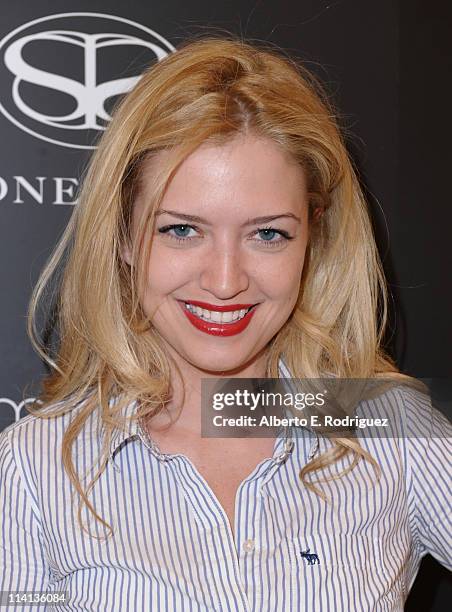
(224, 273)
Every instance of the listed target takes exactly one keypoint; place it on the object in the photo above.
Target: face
(227, 254)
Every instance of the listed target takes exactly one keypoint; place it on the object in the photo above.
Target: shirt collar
(133, 430)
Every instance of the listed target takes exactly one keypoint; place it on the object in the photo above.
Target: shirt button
(248, 545)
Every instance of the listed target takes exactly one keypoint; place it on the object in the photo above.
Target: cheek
(282, 281)
(167, 270)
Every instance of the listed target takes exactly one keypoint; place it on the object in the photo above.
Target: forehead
(246, 172)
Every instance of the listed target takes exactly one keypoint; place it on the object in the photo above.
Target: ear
(317, 213)
(126, 254)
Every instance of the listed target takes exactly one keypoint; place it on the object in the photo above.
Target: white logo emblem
(57, 78)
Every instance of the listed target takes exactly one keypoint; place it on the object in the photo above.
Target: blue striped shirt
(173, 548)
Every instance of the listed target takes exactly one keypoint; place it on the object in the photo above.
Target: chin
(219, 364)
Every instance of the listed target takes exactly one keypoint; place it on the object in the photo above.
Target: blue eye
(181, 231)
(267, 234)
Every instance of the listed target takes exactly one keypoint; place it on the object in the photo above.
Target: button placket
(244, 530)
(222, 539)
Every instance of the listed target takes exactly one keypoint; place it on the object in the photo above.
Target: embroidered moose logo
(311, 558)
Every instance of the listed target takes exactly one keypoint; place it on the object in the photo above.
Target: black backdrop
(386, 65)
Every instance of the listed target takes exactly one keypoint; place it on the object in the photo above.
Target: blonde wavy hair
(208, 90)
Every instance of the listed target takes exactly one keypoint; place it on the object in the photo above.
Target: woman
(220, 232)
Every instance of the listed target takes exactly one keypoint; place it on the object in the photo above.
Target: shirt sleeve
(22, 561)
(429, 452)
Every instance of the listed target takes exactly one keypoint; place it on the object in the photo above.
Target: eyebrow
(254, 221)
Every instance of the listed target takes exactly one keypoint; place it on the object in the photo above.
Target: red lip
(217, 308)
(219, 329)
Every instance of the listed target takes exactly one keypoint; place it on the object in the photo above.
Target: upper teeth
(215, 316)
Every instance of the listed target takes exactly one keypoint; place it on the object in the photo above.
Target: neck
(184, 409)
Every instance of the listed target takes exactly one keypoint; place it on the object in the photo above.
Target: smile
(218, 320)
(215, 316)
